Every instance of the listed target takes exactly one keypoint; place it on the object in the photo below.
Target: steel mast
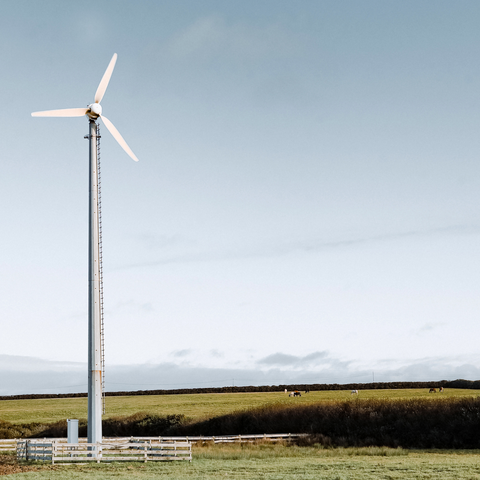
(94, 428)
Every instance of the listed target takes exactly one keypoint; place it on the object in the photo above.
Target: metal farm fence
(144, 451)
(232, 438)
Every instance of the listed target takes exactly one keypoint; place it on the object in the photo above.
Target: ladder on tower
(100, 268)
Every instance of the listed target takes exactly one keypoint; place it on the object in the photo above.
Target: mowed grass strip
(280, 462)
(196, 406)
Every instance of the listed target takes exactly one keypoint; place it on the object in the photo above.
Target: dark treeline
(469, 384)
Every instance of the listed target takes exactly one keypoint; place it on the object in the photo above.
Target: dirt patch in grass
(9, 465)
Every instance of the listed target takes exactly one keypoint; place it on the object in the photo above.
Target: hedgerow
(408, 423)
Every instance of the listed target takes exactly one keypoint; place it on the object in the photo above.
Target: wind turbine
(93, 112)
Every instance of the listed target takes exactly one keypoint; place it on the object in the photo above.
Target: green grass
(280, 462)
(196, 406)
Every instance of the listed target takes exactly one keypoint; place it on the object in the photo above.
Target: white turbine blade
(105, 79)
(66, 112)
(118, 137)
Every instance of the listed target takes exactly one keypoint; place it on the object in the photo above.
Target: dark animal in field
(307, 391)
(296, 393)
(432, 390)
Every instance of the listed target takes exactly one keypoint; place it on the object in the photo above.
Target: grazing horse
(432, 390)
(440, 389)
(307, 391)
(354, 392)
(296, 393)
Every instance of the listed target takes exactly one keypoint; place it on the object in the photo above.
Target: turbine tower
(93, 112)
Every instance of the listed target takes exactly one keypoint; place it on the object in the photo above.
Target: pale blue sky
(307, 186)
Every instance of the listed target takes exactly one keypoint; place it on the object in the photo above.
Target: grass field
(263, 461)
(194, 406)
(279, 462)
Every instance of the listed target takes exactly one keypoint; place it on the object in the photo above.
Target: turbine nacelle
(94, 111)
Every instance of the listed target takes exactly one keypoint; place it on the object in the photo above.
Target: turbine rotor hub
(94, 110)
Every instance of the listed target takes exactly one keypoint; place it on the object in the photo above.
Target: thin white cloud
(286, 360)
(428, 327)
(212, 36)
(18, 363)
(130, 306)
(305, 246)
(217, 353)
(160, 242)
(182, 353)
